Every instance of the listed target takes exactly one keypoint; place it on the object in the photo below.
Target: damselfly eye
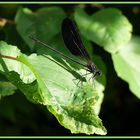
(98, 73)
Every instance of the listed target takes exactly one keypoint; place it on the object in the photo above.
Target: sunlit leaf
(108, 28)
(75, 107)
(127, 64)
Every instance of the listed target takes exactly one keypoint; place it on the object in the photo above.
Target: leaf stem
(9, 57)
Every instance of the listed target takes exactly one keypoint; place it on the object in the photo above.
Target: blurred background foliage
(120, 108)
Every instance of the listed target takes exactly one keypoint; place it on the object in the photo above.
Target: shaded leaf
(6, 88)
(39, 24)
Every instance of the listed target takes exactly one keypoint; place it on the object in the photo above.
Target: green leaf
(24, 72)
(127, 64)
(58, 44)
(76, 108)
(79, 115)
(44, 23)
(18, 73)
(6, 88)
(108, 28)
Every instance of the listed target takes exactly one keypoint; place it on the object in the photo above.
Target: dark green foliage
(47, 80)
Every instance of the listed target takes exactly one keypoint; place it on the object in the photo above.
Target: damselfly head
(91, 66)
(93, 69)
(98, 73)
